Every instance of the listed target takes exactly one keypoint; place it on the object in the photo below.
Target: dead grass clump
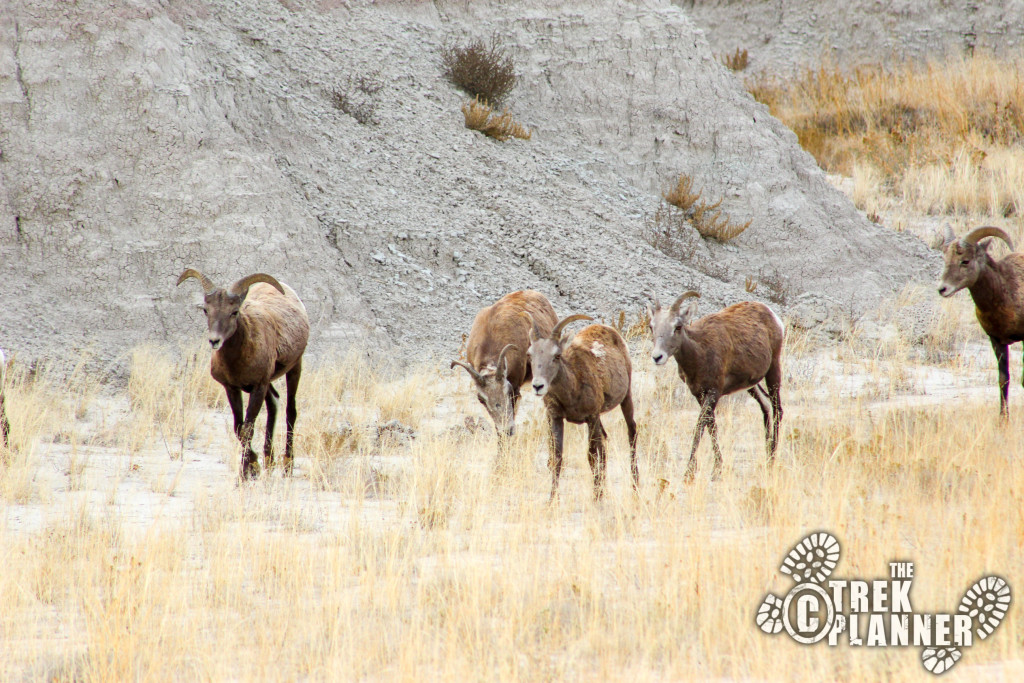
(737, 61)
(639, 327)
(480, 116)
(484, 70)
(707, 218)
(945, 137)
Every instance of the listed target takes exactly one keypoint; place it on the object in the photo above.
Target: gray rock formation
(783, 36)
(140, 139)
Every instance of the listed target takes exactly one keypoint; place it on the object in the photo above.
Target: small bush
(480, 116)
(682, 195)
(708, 219)
(671, 232)
(737, 61)
(484, 70)
(356, 98)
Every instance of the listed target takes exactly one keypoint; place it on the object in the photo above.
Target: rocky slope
(139, 139)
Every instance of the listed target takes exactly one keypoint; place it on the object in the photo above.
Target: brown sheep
(722, 353)
(496, 351)
(579, 378)
(258, 330)
(997, 288)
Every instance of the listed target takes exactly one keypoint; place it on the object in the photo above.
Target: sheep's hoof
(250, 469)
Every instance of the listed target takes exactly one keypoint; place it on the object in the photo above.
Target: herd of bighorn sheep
(258, 330)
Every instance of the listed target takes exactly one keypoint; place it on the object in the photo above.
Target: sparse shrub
(355, 98)
(480, 116)
(670, 231)
(777, 288)
(737, 61)
(708, 219)
(482, 69)
(750, 285)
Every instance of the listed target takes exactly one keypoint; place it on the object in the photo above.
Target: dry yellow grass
(426, 559)
(479, 115)
(940, 137)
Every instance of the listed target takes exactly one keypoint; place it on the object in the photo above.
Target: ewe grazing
(496, 351)
(580, 378)
(728, 351)
(258, 331)
(997, 288)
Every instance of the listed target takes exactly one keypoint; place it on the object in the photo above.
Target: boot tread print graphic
(986, 603)
(811, 561)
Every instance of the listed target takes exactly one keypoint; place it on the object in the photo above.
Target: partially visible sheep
(496, 351)
(5, 427)
(258, 330)
(997, 288)
(728, 351)
(580, 378)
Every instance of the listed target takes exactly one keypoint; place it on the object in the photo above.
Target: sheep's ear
(984, 245)
(650, 312)
(691, 312)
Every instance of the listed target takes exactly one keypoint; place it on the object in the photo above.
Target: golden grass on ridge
(941, 137)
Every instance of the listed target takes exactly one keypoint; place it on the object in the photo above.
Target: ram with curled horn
(258, 330)
(997, 287)
(732, 350)
(496, 353)
(580, 377)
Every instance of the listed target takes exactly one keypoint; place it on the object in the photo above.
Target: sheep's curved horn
(534, 330)
(243, 285)
(469, 368)
(988, 231)
(556, 333)
(681, 299)
(206, 282)
(501, 358)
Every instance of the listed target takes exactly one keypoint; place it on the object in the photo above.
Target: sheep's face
(546, 362)
(964, 262)
(499, 398)
(668, 330)
(221, 309)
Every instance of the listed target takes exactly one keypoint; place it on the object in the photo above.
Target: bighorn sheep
(258, 330)
(496, 351)
(579, 378)
(5, 427)
(728, 351)
(997, 288)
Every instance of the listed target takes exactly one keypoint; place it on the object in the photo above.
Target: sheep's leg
(268, 443)
(235, 402)
(595, 454)
(773, 379)
(766, 411)
(291, 412)
(707, 406)
(1003, 361)
(716, 470)
(5, 426)
(555, 444)
(250, 464)
(627, 415)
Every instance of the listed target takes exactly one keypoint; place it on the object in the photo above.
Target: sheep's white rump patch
(597, 348)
